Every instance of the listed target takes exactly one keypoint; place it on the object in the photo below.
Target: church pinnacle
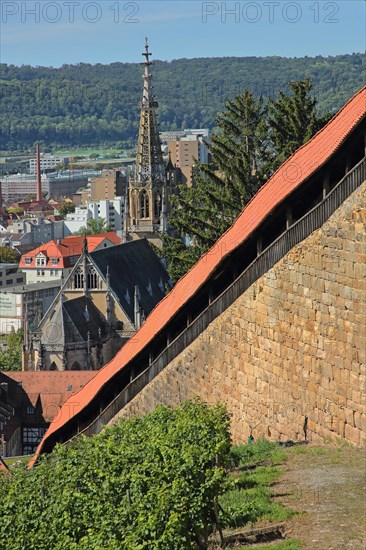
(147, 185)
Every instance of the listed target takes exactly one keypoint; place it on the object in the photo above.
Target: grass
(248, 498)
(285, 545)
(12, 462)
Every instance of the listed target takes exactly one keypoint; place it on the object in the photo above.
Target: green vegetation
(66, 208)
(11, 358)
(147, 483)
(9, 255)
(94, 227)
(252, 141)
(285, 545)
(249, 498)
(97, 105)
(161, 481)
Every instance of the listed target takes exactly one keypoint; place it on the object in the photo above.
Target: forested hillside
(87, 104)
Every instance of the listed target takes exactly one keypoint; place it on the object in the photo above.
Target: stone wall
(293, 344)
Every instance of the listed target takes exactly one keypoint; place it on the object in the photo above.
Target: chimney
(38, 174)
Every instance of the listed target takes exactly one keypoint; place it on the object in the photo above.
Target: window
(51, 272)
(144, 205)
(28, 261)
(38, 273)
(31, 439)
(9, 281)
(42, 273)
(79, 278)
(54, 261)
(41, 261)
(92, 278)
(20, 280)
(31, 409)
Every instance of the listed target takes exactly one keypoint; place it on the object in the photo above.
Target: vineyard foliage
(145, 483)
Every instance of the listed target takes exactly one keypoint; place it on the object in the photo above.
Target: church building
(102, 303)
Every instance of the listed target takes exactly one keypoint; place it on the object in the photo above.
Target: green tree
(293, 120)
(150, 482)
(9, 255)
(246, 149)
(66, 208)
(11, 358)
(94, 227)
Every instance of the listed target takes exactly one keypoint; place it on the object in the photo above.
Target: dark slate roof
(81, 316)
(130, 264)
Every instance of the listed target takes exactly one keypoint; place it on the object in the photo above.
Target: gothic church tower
(149, 187)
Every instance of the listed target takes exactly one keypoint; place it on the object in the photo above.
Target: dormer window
(54, 261)
(28, 261)
(40, 260)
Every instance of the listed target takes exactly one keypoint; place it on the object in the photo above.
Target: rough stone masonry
(293, 345)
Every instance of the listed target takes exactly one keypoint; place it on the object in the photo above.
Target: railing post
(325, 185)
(259, 245)
(288, 217)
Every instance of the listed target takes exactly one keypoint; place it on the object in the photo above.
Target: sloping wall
(293, 344)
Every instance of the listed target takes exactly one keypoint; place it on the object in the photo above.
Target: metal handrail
(296, 233)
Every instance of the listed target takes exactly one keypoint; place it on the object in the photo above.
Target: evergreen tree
(293, 120)
(239, 151)
(251, 142)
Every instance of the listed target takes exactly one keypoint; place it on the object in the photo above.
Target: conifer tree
(250, 143)
(293, 120)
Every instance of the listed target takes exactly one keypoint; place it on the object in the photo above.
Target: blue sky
(55, 32)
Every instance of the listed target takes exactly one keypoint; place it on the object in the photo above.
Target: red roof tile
(66, 248)
(3, 466)
(53, 388)
(293, 172)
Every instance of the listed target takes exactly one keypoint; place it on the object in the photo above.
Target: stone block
(352, 434)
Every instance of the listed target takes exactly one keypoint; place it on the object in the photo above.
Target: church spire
(149, 158)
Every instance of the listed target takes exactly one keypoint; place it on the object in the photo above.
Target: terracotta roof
(293, 172)
(53, 388)
(3, 466)
(66, 248)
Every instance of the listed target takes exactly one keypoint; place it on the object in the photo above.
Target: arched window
(76, 366)
(53, 366)
(79, 278)
(92, 278)
(157, 205)
(144, 205)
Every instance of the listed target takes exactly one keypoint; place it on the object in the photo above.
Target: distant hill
(94, 105)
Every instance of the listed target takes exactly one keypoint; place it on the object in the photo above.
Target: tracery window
(144, 205)
(92, 278)
(79, 278)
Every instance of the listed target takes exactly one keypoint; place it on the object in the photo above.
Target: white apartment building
(111, 210)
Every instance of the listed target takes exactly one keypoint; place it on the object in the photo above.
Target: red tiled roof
(53, 388)
(3, 466)
(66, 248)
(293, 172)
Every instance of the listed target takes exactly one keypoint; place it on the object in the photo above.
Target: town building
(10, 275)
(29, 401)
(47, 163)
(55, 259)
(110, 210)
(185, 152)
(22, 306)
(109, 185)
(102, 303)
